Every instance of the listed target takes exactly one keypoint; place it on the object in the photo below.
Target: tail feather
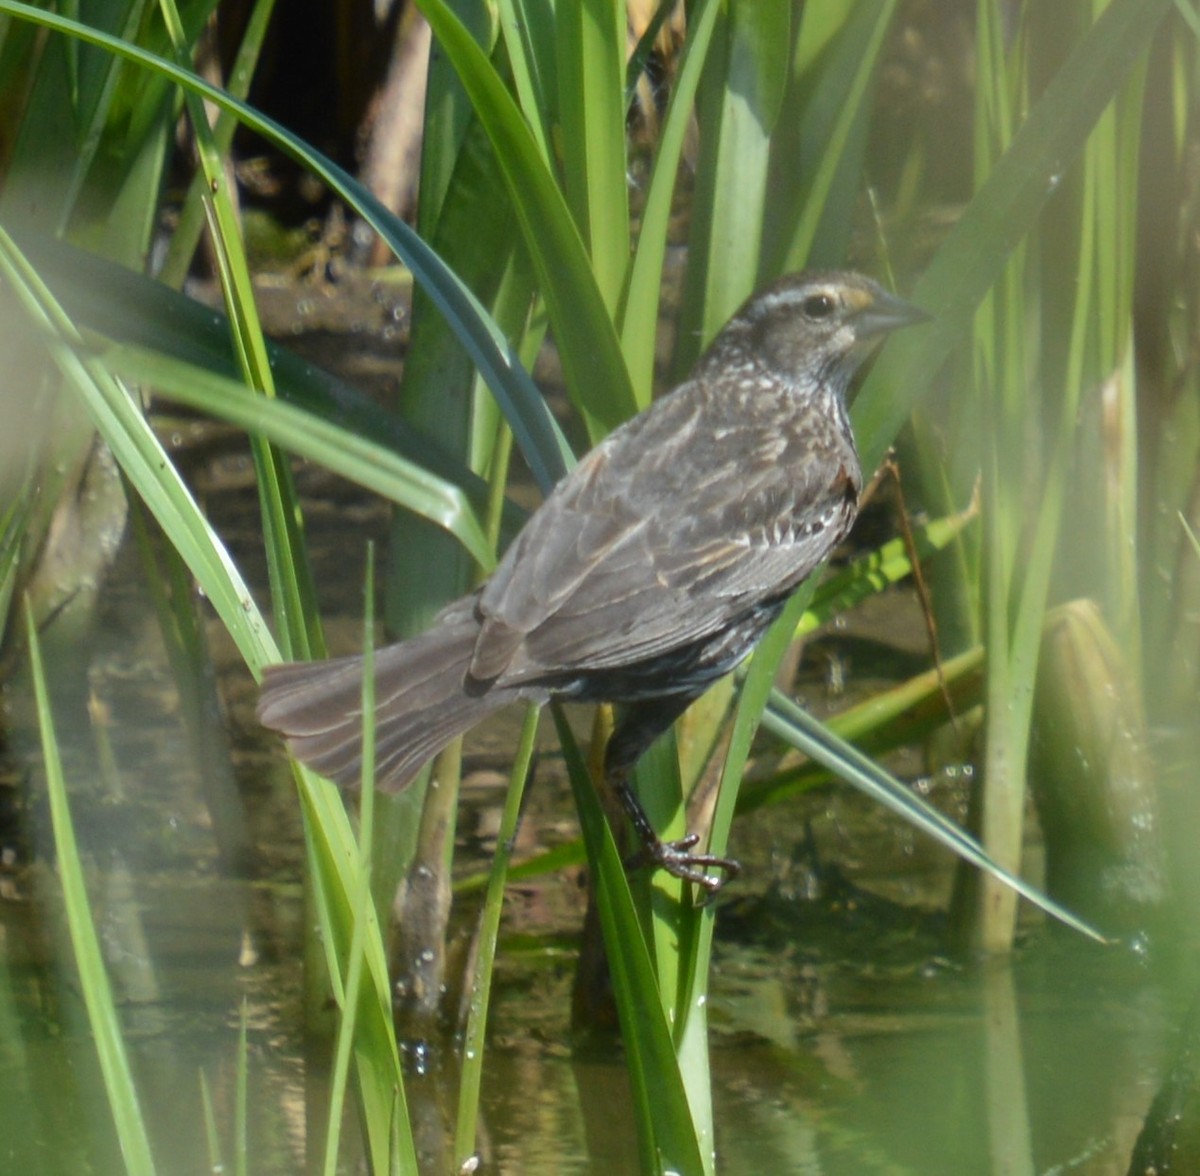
(420, 705)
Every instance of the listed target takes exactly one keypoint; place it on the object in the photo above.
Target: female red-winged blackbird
(650, 571)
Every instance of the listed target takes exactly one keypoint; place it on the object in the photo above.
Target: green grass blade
(334, 853)
(791, 722)
(744, 83)
(361, 460)
(241, 1104)
(694, 968)
(591, 83)
(474, 1036)
(1000, 215)
(666, 1136)
(449, 118)
(363, 902)
(212, 1136)
(225, 233)
(542, 446)
(907, 713)
(831, 139)
(756, 688)
(93, 979)
(669, 917)
(531, 58)
(119, 420)
(1193, 538)
(639, 317)
(596, 374)
(870, 574)
(186, 236)
(14, 525)
(293, 593)
(130, 308)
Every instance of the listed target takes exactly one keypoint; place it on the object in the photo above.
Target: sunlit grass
(534, 164)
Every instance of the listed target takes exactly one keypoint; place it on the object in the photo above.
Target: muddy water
(845, 1040)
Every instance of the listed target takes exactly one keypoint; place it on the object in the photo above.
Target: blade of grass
(212, 1136)
(534, 69)
(14, 523)
(669, 917)
(364, 905)
(335, 858)
(293, 593)
(327, 827)
(544, 449)
(130, 308)
(1000, 215)
(186, 236)
(691, 1029)
(832, 133)
(740, 98)
(93, 978)
(639, 314)
(666, 1136)
(1192, 536)
(474, 1036)
(791, 722)
(596, 374)
(241, 1104)
(360, 460)
(448, 119)
(591, 83)
(224, 230)
(1009, 466)
(120, 422)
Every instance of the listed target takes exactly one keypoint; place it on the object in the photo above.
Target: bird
(650, 570)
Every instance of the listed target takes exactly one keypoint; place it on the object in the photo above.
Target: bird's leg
(638, 727)
(673, 856)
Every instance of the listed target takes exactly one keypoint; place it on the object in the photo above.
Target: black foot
(675, 858)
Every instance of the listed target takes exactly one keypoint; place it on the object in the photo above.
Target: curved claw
(675, 858)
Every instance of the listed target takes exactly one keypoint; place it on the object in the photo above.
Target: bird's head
(818, 326)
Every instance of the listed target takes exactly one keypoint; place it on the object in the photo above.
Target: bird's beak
(887, 313)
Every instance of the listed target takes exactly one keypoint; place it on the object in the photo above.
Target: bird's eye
(818, 306)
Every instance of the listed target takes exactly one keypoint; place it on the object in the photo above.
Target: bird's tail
(420, 704)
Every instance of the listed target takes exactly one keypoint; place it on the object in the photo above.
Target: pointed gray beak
(887, 313)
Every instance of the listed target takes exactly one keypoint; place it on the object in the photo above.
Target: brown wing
(675, 524)
(577, 529)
